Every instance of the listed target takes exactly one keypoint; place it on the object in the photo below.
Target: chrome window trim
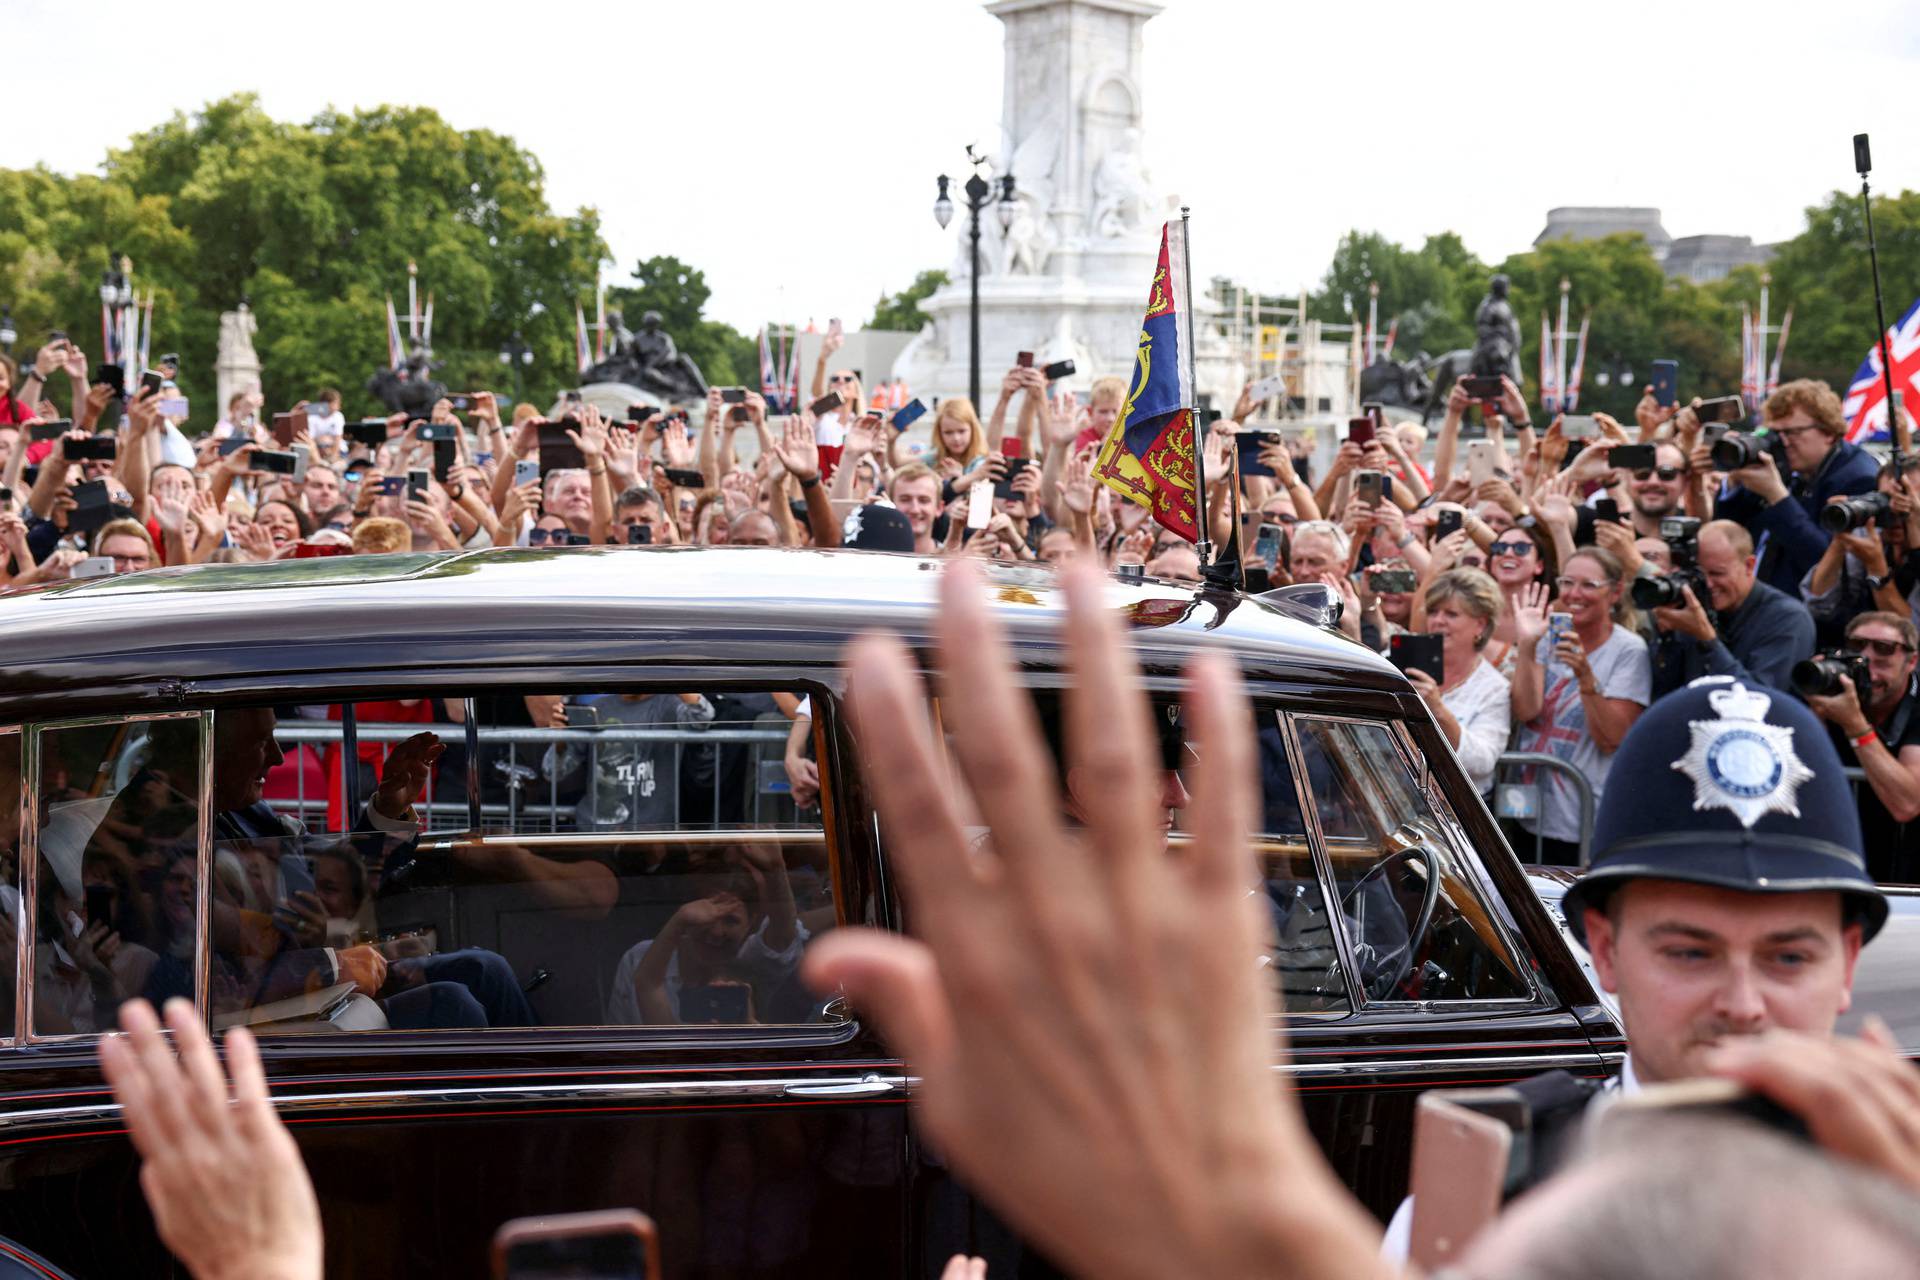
(29, 820)
(866, 1085)
(1491, 1004)
(1322, 862)
(29, 868)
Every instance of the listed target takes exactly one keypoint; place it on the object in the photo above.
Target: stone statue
(1498, 350)
(1027, 243)
(236, 366)
(411, 389)
(650, 361)
(1123, 195)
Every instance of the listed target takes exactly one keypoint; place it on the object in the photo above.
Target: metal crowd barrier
(1583, 791)
(768, 786)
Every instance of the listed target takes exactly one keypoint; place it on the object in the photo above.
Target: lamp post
(514, 353)
(8, 334)
(979, 193)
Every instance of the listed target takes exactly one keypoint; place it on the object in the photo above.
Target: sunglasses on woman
(1879, 648)
(1518, 550)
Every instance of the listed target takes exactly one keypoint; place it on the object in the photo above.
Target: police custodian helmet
(1720, 784)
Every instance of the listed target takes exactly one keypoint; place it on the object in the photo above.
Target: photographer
(1754, 633)
(1782, 512)
(1868, 565)
(1881, 737)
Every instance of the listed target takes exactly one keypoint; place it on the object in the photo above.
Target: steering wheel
(1422, 921)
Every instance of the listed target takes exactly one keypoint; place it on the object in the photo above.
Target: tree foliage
(679, 293)
(901, 311)
(1824, 273)
(313, 224)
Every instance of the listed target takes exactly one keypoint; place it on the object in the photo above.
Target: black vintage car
(575, 987)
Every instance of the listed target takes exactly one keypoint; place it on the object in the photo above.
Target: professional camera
(1737, 449)
(1819, 676)
(1682, 534)
(1853, 513)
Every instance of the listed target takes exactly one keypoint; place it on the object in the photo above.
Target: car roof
(515, 604)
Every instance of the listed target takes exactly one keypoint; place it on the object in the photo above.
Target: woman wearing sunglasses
(1576, 698)
(1516, 560)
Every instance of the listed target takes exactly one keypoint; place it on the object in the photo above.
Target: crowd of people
(1568, 590)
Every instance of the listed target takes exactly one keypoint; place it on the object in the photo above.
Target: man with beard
(1878, 729)
(1657, 493)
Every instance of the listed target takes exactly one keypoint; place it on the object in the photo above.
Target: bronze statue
(1400, 383)
(411, 389)
(1498, 350)
(649, 360)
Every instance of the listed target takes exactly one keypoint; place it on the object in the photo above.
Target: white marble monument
(1069, 278)
(236, 366)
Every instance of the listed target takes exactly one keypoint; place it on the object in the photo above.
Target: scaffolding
(1316, 361)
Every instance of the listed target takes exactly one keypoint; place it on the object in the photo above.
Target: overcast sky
(789, 150)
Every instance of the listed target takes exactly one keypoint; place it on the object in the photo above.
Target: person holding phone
(1472, 701)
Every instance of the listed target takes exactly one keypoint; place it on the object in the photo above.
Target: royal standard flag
(1149, 457)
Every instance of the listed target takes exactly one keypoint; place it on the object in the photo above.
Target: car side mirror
(1314, 603)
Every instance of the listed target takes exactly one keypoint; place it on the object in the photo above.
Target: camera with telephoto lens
(1682, 536)
(1819, 676)
(1737, 449)
(1853, 513)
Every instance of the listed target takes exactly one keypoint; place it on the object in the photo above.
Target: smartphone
(1004, 488)
(371, 432)
(1666, 383)
(1720, 409)
(285, 426)
(719, 1003)
(1716, 1096)
(833, 326)
(1058, 369)
(278, 461)
(174, 406)
(574, 397)
(150, 383)
(1267, 388)
(1460, 1160)
(1010, 446)
(608, 1244)
(1410, 651)
(825, 404)
(1633, 457)
(301, 457)
(1606, 509)
(1394, 581)
(1267, 545)
(1482, 388)
(980, 504)
(733, 395)
(1577, 426)
(1479, 462)
(483, 457)
(446, 452)
(525, 471)
(462, 402)
(52, 429)
(1024, 360)
(685, 478)
(1249, 444)
(557, 452)
(296, 875)
(1360, 430)
(1447, 522)
(639, 535)
(419, 483)
(101, 448)
(100, 896)
(1559, 627)
(1370, 487)
(112, 375)
(93, 566)
(908, 414)
(392, 486)
(640, 412)
(233, 444)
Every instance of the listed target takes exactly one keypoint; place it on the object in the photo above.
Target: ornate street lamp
(979, 193)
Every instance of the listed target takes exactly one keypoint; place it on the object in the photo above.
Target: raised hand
(797, 449)
(677, 447)
(404, 777)
(1530, 614)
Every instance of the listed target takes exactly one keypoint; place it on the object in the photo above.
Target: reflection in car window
(10, 915)
(640, 859)
(119, 842)
(1305, 956)
(1419, 927)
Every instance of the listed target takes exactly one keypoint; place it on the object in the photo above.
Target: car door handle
(866, 1086)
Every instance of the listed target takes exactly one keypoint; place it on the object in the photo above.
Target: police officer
(1728, 895)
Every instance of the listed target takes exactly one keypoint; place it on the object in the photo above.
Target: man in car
(1728, 896)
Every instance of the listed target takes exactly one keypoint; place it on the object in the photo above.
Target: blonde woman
(1471, 700)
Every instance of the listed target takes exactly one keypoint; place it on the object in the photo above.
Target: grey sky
(789, 150)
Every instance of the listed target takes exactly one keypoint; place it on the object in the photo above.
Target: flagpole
(1203, 544)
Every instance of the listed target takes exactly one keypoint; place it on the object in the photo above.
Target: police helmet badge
(1741, 763)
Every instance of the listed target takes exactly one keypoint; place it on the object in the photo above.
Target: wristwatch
(1874, 583)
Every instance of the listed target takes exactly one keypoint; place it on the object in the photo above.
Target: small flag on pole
(1779, 353)
(1148, 457)
(1579, 363)
(1549, 379)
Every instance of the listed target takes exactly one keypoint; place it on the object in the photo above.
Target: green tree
(1431, 290)
(1824, 275)
(679, 293)
(314, 225)
(900, 311)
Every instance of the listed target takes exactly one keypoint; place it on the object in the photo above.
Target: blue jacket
(1758, 642)
(1786, 535)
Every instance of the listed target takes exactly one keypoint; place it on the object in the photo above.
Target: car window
(11, 915)
(119, 836)
(1418, 925)
(640, 858)
(1305, 955)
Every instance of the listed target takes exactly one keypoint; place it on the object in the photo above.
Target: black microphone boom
(1896, 425)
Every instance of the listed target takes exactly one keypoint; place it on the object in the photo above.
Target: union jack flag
(1866, 403)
